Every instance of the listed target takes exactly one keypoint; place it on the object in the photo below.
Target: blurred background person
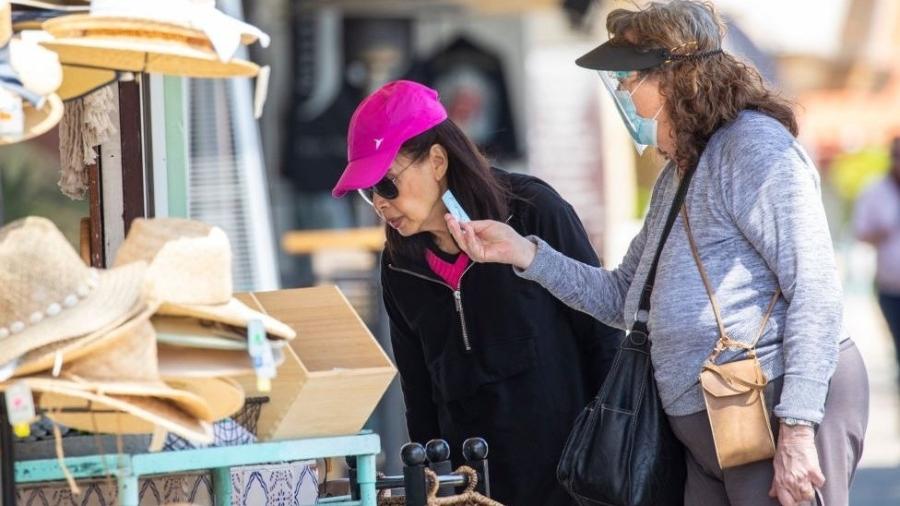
(876, 220)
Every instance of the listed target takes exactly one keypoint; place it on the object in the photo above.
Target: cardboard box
(334, 373)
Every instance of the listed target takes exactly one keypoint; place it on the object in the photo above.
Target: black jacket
(513, 364)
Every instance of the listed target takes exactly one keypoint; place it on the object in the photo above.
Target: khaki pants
(839, 441)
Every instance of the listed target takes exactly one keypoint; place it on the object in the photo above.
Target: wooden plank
(84, 244)
(131, 133)
(304, 242)
(95, 194)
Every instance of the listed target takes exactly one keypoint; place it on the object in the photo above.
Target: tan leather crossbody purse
(733, 392)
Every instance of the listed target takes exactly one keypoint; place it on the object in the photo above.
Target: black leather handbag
(621, 451)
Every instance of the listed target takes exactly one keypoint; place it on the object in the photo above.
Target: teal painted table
(128, 468)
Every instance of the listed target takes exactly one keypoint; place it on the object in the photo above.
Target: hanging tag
(261, 355)
(12, 117)
(262, 91)
(20, 408)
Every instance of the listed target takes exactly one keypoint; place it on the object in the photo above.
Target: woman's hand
(797, 471)
(492, 241)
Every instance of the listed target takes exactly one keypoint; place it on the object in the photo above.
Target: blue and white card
(454, 208)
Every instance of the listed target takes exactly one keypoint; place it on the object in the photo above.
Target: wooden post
(7, 466)
(95, 194)
(132, 141)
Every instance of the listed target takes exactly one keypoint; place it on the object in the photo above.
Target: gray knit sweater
(758, 219)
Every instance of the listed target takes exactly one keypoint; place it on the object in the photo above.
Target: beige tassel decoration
(86, 124)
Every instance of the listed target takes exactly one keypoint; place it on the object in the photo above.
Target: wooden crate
(334, 373)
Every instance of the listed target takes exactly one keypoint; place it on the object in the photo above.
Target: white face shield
(642, 130)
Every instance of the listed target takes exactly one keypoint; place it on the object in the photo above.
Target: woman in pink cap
(481, 352)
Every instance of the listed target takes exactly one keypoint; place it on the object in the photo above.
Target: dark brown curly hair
(704, 93)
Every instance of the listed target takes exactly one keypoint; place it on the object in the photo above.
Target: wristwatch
(793, 422)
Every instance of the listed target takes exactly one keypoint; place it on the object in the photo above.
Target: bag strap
(642, 315)
(724, 340)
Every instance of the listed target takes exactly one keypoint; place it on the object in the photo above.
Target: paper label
(260, 350)
(20, 404)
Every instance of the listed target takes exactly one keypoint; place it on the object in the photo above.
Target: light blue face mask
(643, 130)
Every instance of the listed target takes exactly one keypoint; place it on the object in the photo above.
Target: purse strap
(642, 315)
(724, 342)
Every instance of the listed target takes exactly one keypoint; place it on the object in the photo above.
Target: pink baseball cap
(393, 114)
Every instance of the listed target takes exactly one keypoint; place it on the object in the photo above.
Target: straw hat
(126, 371)
(27, 21)
(79, 81)
(49, 295)
(226, 395)
(178, 37)
(116, 414)
(60, 5)
(190, 271)
(189, 362)
(30, 74)
(128, 366)
(188, 332)
(62, 352)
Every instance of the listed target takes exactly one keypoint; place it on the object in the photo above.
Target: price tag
(261, 355)
(20, 408)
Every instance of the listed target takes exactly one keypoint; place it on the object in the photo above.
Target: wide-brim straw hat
(60, 5)
(169, 39)
(148, 56)
(196, 333)
(63, 352)
(233, 312)
(191, 362)
(41, 111)
(190, 272)
(116, 414)
(128, 366)
(76, 81)
(80, 81)
(225, 396)
(49, 295)
(38, 121)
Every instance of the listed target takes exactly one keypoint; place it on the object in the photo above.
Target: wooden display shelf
(305, 242)
(334, 373)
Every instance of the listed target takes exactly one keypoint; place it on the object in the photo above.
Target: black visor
(609, 56)
(624, 57)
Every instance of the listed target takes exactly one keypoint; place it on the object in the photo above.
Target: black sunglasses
(386, 188)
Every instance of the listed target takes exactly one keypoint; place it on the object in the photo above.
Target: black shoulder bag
(621, 451)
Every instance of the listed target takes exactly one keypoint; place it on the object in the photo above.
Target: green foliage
(28, 176)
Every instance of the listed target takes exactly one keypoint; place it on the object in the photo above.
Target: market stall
(144, 335)
(135, 337)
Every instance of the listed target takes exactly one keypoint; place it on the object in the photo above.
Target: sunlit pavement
(878, 478)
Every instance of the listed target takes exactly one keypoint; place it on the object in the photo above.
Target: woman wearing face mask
(754, 208)
(481, 352)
